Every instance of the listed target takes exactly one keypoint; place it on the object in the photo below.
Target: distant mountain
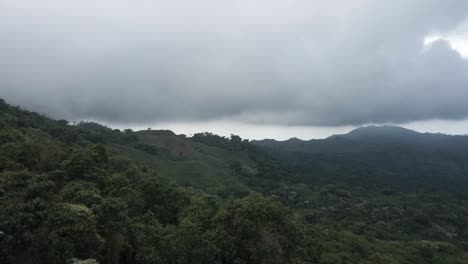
(387, 133)
(371, 138)
(380, 154)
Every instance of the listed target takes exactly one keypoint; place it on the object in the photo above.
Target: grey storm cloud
(287, 62)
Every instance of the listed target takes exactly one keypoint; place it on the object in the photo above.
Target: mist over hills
(205, 74)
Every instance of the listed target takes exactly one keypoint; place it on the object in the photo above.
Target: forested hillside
(86, 193)
(398, 158)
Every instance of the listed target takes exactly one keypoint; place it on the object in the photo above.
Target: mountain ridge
(367, 138)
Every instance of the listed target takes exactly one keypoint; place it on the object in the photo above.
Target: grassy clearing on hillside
(208, 171)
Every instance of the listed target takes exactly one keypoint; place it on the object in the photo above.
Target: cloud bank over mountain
(318, 63)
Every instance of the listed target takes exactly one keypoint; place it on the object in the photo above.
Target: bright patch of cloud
(457, 38)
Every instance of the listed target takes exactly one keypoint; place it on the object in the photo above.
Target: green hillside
(86, 193)
(374, 156)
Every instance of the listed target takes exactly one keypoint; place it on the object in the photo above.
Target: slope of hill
(86, 191)
(393, 155)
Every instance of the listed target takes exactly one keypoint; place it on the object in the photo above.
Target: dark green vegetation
(394, 157)
(84, 191)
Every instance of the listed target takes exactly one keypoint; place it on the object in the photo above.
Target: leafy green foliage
(85, 193)
(256, 229)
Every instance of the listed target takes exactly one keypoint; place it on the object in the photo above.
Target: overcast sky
(264, 68)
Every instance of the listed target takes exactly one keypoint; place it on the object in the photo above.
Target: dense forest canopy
(86, 193)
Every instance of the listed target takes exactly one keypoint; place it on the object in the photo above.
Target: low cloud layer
(297, 62)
